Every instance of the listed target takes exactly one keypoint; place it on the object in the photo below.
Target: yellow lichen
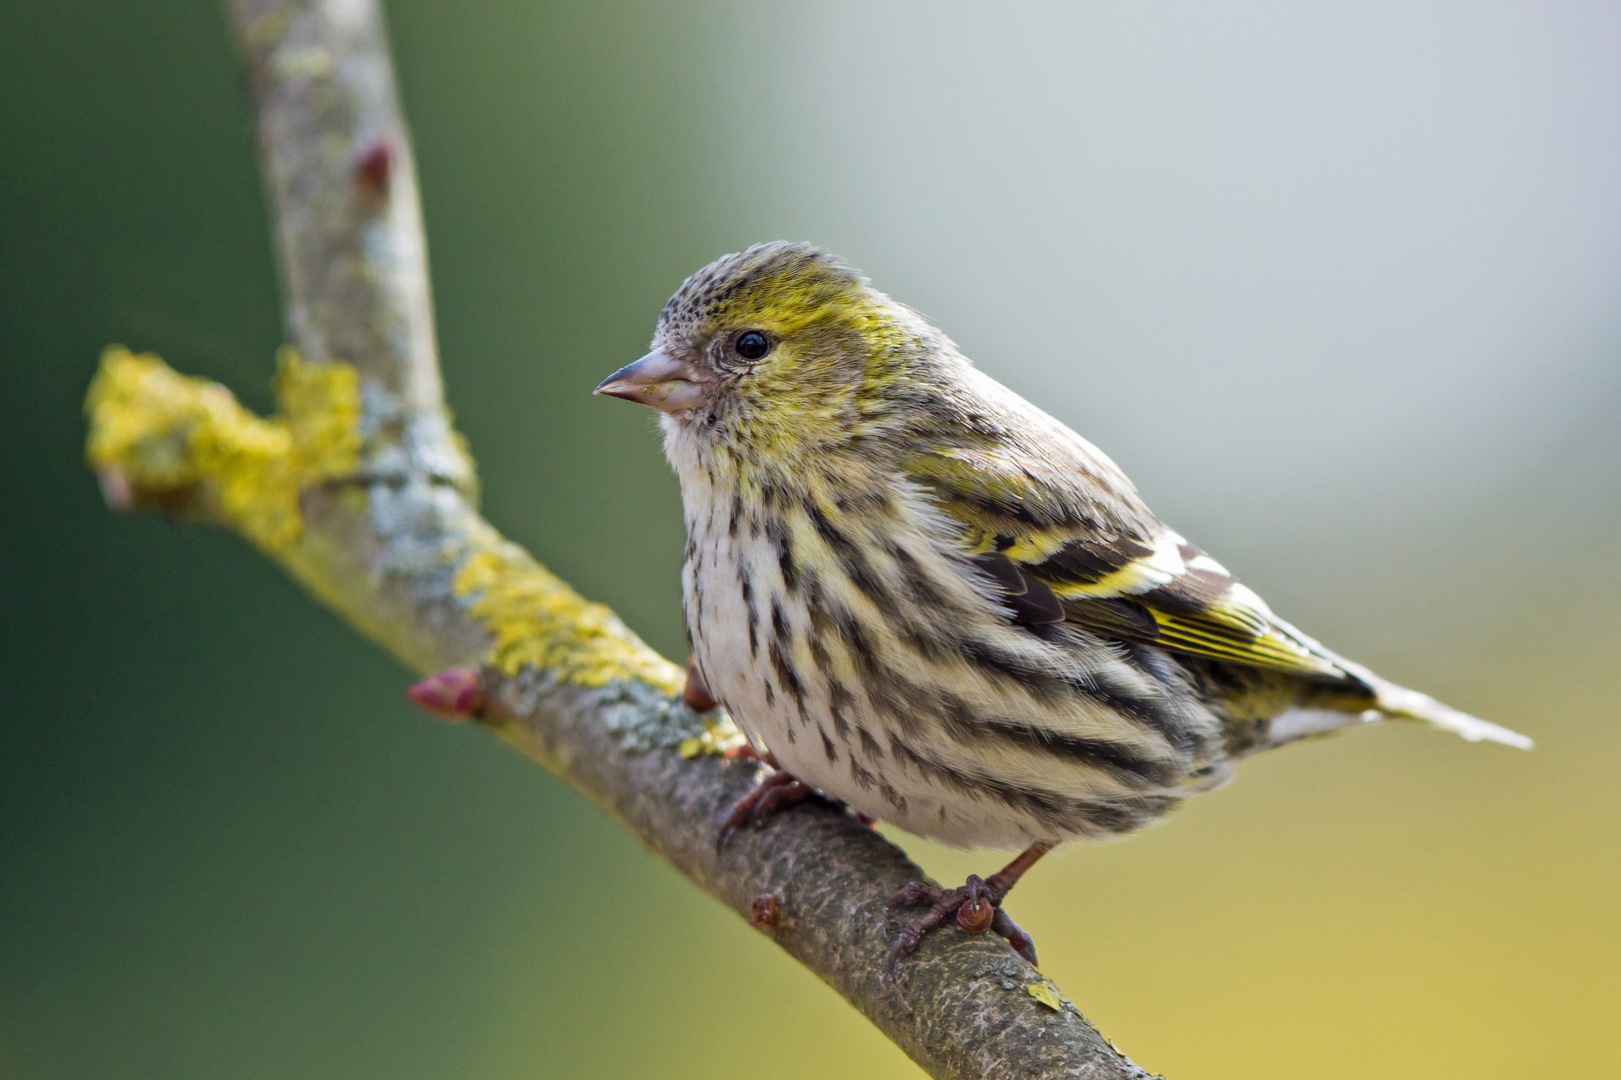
(319, 404)
(1046, 991)
(187, 442)
(718, 736)
(160, 438)
(539, 621)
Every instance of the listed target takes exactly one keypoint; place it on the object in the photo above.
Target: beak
(659, 381)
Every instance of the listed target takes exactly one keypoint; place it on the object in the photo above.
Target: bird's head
(779, 343)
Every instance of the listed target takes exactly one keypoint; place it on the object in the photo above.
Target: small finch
(919, 594)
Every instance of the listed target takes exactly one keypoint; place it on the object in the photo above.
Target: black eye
(751, 345)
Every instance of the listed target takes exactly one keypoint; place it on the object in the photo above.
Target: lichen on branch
(539, 622)
(186, 444)
(165, 440)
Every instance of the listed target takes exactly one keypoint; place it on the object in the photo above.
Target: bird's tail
(1400, 703)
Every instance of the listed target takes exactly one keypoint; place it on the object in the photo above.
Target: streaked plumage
(928, 598)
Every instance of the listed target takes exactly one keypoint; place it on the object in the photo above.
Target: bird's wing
(1064, 534)
(1163, 591)
(1057, 526)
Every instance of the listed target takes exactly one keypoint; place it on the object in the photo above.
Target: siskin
(919, 594)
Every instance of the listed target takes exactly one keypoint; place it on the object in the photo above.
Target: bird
(920, 595)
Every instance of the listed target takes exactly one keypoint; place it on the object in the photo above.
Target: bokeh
(1336, 283)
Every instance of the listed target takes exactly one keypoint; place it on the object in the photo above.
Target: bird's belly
(807, 743)
(942, 717)
(731, 626)
(783, 703)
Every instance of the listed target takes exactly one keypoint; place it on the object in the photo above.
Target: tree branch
(359, 488)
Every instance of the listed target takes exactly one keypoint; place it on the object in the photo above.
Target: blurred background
(1336, 284)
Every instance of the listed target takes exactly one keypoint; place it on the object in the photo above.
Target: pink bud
(452, 694)
(115, 489)
(373, 168)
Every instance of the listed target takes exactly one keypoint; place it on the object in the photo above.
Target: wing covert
(1183, 600)
(1087, 539)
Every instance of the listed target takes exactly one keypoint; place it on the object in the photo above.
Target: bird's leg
(976, 906)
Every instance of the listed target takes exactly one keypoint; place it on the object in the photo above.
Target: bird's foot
(777, 792)
(975, 907)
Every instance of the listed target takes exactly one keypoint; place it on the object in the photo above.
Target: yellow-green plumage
(935, 602)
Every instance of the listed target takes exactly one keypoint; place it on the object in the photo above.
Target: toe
(1022, 943)
(914, 893)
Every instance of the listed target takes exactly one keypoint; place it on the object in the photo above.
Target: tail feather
(1400, 703)
(1391, 702)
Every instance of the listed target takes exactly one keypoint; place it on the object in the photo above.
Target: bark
(360, 489)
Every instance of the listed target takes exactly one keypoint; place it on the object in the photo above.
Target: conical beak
(659, 381)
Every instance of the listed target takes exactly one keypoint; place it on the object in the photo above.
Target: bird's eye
(751, 345)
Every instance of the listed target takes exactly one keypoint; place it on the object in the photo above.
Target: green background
(1337, 287)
